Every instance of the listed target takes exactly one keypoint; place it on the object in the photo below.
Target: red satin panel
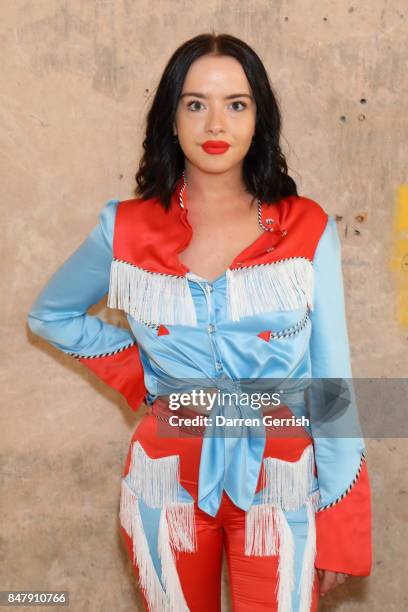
(344, 529)
(122, 371)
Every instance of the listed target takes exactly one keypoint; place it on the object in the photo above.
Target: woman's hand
(329, 580)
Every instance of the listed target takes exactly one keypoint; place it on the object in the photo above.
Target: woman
(231, 281)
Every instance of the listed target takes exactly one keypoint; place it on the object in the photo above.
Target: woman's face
(215, 104)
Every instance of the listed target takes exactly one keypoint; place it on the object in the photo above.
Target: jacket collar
(149, 282)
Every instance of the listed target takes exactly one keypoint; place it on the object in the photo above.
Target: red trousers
(252, 579)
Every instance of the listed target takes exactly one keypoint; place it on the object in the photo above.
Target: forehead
(216, 73)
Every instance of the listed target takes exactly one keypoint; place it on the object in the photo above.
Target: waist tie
(231, 455)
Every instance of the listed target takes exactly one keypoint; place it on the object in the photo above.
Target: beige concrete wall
(77, 76)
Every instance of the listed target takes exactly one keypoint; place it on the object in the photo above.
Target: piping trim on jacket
(347, 491)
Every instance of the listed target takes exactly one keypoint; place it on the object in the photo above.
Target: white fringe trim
(261, 534)
(148, 580)
(172, 533)
(283, 285)
(182, 527)
(308, 565)
(170, 577)
(155, 480)
(286, 566)
(150, 296)
(267, 532)
(287, 483)
(128, 507)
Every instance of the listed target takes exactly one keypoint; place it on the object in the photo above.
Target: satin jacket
(276, 313)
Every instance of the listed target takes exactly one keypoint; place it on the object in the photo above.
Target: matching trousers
(176, 549)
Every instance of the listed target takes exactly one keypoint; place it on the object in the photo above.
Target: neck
(226, 190)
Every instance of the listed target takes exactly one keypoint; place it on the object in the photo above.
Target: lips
(215, 147)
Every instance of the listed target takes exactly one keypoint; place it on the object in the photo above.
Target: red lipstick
(215, 147)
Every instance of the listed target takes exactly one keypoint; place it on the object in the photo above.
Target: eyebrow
(200, 95)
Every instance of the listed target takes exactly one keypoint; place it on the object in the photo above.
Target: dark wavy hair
(265, 171)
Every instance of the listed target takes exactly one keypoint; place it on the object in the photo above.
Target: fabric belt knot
(231, 455)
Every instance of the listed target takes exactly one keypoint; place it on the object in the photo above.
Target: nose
(215, 120)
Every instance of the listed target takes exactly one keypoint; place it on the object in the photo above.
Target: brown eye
(242, 104)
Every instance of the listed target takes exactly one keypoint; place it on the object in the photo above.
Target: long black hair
(265, 171)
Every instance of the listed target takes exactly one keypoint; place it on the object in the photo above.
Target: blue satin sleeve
(59, 313)
(334, 419)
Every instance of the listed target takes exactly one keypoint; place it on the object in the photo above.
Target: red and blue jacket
(276, 314)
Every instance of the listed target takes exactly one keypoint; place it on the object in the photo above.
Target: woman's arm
(343, 520)
(59, 314)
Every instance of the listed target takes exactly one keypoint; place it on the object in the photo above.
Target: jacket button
(211, 328)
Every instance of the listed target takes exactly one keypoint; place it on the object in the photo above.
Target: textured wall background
(77, 80)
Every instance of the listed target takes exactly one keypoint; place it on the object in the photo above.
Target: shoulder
(303, 210)
(140, 208)
(305, 221)
(322, 226)
(315, 213)
(145, 231)
(145, 214)
(118, 215)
